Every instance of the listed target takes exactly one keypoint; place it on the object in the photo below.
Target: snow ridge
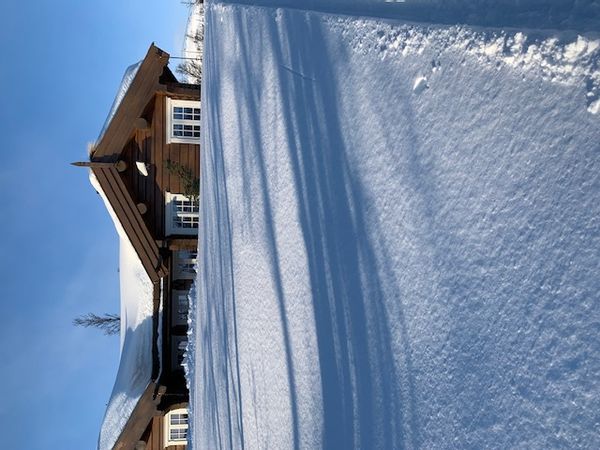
(574, 61)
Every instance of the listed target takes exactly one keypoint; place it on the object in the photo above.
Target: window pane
(178, 434)
(179, 419)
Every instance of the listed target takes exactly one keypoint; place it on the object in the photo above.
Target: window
(181, 215)
(176, 427)
(179, 307)
(183, 121)
(184, 265)
(178, 434)
(179, 419)
(178, 348)
(181, 348)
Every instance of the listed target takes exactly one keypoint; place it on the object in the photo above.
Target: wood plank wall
(156, 437)
(150, 146)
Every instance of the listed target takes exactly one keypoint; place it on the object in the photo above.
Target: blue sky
(62, 63)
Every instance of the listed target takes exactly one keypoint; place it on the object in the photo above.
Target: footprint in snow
(420, 85)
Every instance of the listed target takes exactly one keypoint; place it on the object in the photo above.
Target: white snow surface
(135, 367)
(386, 266)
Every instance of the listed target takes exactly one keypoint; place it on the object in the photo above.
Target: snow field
(400, 235)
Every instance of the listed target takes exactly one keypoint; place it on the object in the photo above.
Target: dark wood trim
(141, 124)
(144, 411)
(183, 244)
(132, 222)
(183, 91)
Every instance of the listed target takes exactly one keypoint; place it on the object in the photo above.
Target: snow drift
(400, 235)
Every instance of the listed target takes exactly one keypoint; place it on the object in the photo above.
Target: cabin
(145, 165)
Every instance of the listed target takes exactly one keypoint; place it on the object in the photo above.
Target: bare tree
(192, 67)
(109, 323)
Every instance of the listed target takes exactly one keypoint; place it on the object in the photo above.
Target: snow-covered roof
(135, 367)
(121, 91)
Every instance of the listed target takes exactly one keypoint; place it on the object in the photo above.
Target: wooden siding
(156, 438)
(150, 147)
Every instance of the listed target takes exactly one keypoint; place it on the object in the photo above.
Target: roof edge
(141, 90)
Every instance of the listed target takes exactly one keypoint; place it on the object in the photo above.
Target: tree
(190, 184)
(109, 323)
(192, 67)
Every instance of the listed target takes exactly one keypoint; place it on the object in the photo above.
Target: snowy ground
(400, 229)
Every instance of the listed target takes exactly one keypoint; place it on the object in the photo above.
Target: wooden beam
(183, 244)
(183, 91)
(141, 124)
(132, 222)
(93, 164)
(140, 418)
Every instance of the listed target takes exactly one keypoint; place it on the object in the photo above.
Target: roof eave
(142, 89)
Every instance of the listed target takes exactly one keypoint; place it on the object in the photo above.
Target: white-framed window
(183, 121)
(176, 425)
(184, 265)
(181, 215)
(180, 305)
(178, 347)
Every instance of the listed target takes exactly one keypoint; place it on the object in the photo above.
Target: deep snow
(400, 231)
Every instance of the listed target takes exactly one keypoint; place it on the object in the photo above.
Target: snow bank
(572, 61)
(401, 236)
(135, 367)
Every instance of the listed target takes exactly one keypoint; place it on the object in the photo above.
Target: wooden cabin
(145, 161)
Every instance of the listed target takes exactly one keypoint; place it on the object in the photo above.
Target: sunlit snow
(400, 231)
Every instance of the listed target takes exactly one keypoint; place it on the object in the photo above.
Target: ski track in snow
(400, 238)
